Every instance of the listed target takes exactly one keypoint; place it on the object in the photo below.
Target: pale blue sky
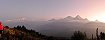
(46, 9)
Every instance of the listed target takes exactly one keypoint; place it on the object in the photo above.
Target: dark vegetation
(21, 33)
(79, 36)
(82, 36)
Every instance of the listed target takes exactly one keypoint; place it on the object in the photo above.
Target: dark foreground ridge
(21, 33)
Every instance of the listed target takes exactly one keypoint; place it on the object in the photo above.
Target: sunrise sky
(47, 9)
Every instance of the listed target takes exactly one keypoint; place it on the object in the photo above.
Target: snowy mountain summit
(78, 18)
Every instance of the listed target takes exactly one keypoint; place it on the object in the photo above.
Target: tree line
(22, 33)
(82, 36)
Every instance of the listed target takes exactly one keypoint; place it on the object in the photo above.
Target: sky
(47, 9)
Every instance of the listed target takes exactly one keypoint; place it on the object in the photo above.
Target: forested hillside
(21, 33)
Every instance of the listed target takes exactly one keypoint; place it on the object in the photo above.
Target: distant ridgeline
(21, 33)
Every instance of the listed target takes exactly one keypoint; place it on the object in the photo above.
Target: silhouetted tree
(102, 36)
(92, 36)
(97, 34)
(23, 28)
(6, 27)
(18, 27)
(78, 36)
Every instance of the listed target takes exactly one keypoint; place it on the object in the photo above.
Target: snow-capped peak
(78, 17)
(68, 17)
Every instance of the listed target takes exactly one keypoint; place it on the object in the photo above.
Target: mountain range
(63, 27)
